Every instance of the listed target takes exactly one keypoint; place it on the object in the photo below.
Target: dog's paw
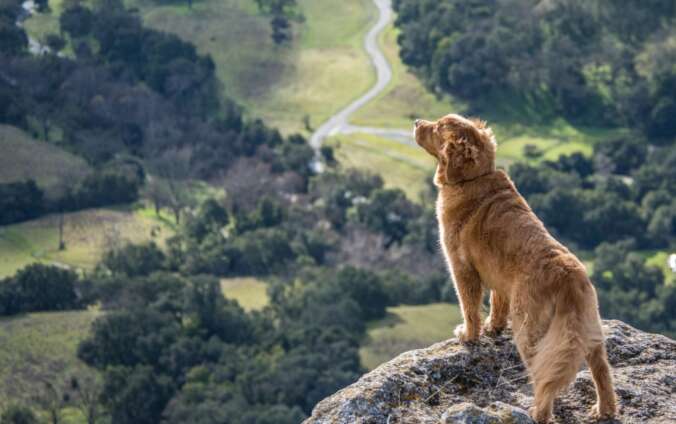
(540, 417)
(491, 330)
(602, 414)
(463, 335)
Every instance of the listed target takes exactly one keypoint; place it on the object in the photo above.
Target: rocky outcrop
(486, 383)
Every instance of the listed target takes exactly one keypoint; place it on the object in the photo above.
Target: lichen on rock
(486, 382)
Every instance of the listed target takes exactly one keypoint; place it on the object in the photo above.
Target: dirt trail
(339, 123)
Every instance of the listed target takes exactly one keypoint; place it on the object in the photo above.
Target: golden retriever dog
(492, 240)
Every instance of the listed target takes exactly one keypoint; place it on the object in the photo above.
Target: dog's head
(464, 148)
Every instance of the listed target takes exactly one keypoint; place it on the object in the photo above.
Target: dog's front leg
(497, 319)
(469, 290)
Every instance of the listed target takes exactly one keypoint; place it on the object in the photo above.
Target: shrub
(45, 288)
(20, 201)
(134, 260)
(18, 414)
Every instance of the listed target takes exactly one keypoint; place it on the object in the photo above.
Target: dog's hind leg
(524, 331)
(598, 364)
(497, 320)
(469, 291)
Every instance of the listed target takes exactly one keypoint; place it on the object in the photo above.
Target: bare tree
(157, 192)
(173, 167)
(87, 389)
(51, 399)
(58, 192)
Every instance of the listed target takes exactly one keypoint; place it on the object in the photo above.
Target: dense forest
(171, 348)
(143, 108)
(595, 62)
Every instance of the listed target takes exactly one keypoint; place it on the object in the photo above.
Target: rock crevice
(487, 383)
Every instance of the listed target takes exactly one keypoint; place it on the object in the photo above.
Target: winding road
(339, 123)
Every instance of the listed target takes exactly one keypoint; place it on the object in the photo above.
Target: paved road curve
(338, 123)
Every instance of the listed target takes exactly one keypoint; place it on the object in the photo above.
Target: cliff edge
(486, 383)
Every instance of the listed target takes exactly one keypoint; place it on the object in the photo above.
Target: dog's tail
(574, 330)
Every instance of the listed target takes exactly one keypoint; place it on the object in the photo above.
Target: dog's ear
(457, 155)
(462, 144)
(466, 151)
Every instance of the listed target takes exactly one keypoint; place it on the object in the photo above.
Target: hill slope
(88, 234)
(24, 157)
(322, 69)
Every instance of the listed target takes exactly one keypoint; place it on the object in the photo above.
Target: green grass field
(87, 235)
(408, 327)
(24, 157)
(402, 166)
(38, 347)
(251, 293)
(554, 138)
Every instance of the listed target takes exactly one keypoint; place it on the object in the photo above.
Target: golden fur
(492, 240)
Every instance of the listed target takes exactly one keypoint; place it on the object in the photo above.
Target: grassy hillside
(24, 157)
(87, 235)
(321, 71)
(408, 327)
(38, 347)
(553, 138)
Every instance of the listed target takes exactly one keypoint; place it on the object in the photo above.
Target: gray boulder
(486, 383)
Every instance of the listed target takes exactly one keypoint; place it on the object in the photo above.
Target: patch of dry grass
(400, 165)
(40, 346)
(250, 292)
(23, 157)
(87, 234)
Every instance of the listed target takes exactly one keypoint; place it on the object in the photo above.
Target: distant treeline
(24, 200)
(594, 62)
(625, 190)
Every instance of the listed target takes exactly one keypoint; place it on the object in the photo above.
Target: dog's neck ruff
(461, 182)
